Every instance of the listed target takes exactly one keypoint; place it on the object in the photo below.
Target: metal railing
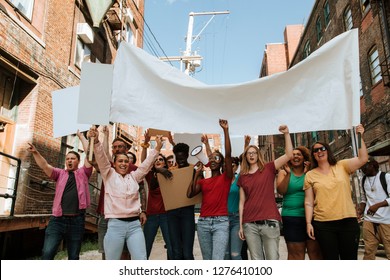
(16, 181)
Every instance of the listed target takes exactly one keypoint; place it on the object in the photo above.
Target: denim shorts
(294, 229)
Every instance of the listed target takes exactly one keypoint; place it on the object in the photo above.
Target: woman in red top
(259, 215)
(213, 224)
(155, 210)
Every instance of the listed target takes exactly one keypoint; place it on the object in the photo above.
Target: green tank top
(293, 200)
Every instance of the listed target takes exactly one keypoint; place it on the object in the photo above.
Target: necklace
(372, 184)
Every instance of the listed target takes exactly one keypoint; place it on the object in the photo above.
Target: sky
(232, 45)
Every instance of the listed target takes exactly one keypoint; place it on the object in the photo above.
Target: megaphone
(197, 152)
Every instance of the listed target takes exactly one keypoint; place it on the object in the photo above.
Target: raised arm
(106, 140)
(288, 148)
(145, 145)
(42, 163)
(145, 166)
(102, 159)
(194, 188)
(247, 141)
(205, 140)
(170, 139)
(228, 148)
(84, 143)
(357, 162)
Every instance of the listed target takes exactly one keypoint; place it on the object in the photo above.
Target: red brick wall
(47, 47)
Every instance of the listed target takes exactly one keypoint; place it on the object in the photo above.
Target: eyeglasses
(215, 158)
(251, 153)
(170, 161)
(160, 159)
(118, 147)
(322, 149)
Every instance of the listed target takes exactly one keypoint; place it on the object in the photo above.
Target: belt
(129, 219)
(80, 213)
(265, 222)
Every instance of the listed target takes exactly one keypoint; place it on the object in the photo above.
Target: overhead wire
(151, 32)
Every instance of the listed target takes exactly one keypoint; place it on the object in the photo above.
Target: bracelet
(145, 145)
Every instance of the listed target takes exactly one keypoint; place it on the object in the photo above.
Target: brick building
(43, 44)
(277, 57)
(328, 19)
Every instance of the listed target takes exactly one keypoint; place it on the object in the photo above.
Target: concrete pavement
(159, 252)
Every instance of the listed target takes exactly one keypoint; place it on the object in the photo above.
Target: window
(375, 68)
(24, 6)
(83, 53)
(319, 29)
(314, 136)
(330, 136)
(365, 5)
(306, 50)
(326, 13)
(348, 24)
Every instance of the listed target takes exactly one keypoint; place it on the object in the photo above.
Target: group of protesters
(237, 210)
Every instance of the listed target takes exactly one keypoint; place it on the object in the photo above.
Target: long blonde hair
(245, 164)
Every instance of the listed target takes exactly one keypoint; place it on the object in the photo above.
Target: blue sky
(232, 45)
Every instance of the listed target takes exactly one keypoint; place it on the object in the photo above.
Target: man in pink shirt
(70, 202)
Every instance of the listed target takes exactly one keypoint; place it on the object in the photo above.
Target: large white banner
(319, 93)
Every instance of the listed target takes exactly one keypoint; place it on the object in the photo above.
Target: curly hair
(181, 147)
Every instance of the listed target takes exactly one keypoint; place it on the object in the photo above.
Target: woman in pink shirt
(121, 200)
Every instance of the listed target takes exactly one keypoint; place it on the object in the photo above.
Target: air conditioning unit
(84, 31)
(128, 15)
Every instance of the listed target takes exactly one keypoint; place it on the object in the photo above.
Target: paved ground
(159, 253)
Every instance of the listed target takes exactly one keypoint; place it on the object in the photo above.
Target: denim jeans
(121, 232)
(233, 251)
(263, 240)
(213, 235)
(59, 228)
(181, 224)
(150, 230)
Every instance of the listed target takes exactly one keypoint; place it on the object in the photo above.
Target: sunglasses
(170, 161)
(322, 149)
(215, 158)
(160, 159)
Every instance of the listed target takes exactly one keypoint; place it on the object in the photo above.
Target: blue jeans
(263, 240)
(121, 232)
(233, 251)
(181, 224)
(150, 230)
(59, 228)
(213, 235)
